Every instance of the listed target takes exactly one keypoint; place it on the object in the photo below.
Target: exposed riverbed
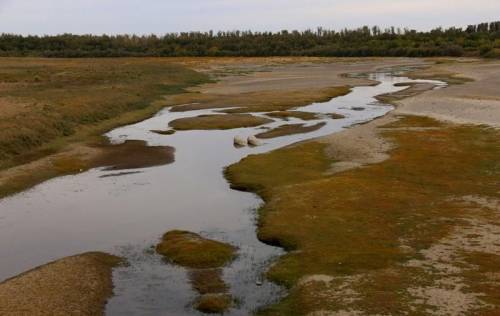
(126, 213)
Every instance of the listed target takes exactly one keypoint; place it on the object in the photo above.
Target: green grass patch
(193, 251)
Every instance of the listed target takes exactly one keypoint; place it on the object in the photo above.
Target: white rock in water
(240, 141)
(253, 141)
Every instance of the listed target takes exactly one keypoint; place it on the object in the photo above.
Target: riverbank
(54, 111)
(75, 120)
(396, 216)
(74, 285)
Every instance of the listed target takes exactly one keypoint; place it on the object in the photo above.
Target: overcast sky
(163, 16)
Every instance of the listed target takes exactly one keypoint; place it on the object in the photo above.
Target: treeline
(475, 40)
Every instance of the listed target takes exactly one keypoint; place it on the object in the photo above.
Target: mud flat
(474, 101)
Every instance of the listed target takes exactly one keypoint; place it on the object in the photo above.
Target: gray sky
(162, 16)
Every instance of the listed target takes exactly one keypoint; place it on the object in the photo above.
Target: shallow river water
(127, 214)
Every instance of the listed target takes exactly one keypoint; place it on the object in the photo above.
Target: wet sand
(475, 102)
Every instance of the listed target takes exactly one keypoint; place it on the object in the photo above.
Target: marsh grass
(206, 281)
(204, 259)
(218, 121)
(193, 251)
(290, 129)
(353, 223)
(261, 101)
(133, 154)
(214, 303)
(53, 102)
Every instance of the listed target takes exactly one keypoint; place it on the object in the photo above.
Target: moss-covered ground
(359, 230)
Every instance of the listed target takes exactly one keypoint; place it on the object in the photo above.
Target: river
(127, 214)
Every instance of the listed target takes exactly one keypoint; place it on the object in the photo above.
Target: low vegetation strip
(218, 121)
(131, 154)
(204, 258)
(74, 285)
(47, 103)
(356, 241)
(193, 251)
(260, 101)
(285, 115)
(290, 129)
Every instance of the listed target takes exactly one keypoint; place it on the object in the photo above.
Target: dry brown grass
(78, 158)
(47, 103)
(290, 129)
(206, 281)
(261, 101)
(213, 303)
(73, 285)
(218, 121)
(132, 154)
(367, 222)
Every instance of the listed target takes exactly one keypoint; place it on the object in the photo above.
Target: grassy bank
(46, 104)
(354, 237)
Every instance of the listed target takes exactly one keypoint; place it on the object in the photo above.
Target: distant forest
(475, 40)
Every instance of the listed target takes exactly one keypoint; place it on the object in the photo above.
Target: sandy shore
(288, 74)
(474, 102)
(78, 285)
